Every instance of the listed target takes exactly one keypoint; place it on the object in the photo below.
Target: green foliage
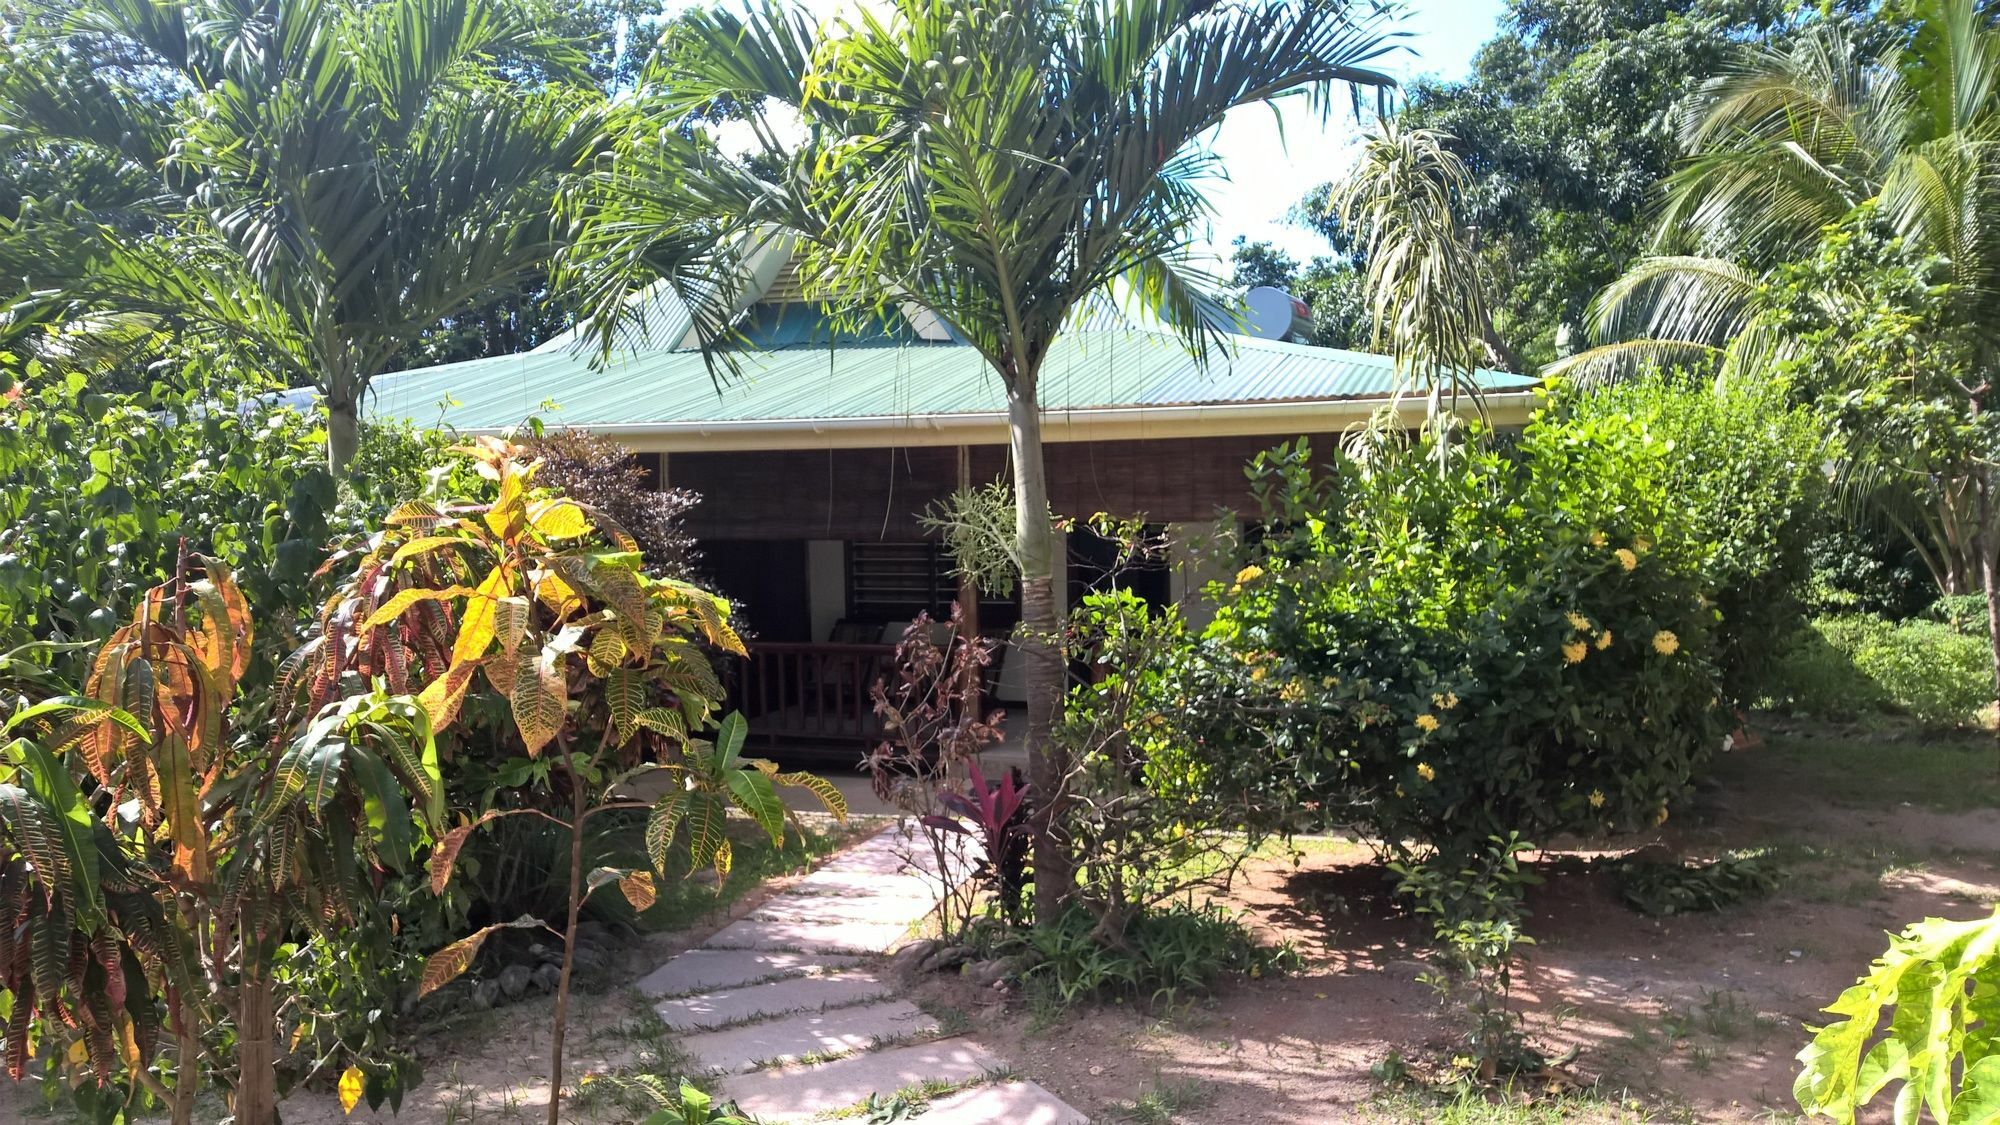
(1746, 470)
(1519, 642)
(1166, 955)
(1842, 667)
(1474, 906)
(1660, 888)
(97, 491)
(1937, 984)
(1140, 835)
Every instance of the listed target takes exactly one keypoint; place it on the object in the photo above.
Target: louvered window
(896, 581)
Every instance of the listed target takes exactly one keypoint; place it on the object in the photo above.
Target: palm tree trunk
(1035, 545)
(343, 436)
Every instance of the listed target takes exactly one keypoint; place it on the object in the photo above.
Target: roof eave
(1118, 423)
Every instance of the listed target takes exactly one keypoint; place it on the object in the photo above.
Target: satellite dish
(1273, 314)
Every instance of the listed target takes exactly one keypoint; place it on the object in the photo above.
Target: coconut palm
(1795, 151)
(1000, 163)
(334, 177)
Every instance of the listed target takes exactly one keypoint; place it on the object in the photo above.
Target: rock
(986, 974)
(913, 954)
(589, 957)
(947, 958)
(550, 955)
(1407, 970)
(592, 931)
(547, 977)
(514, 981)
(485, 994)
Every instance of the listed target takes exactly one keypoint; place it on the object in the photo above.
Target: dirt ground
(1689, 1018)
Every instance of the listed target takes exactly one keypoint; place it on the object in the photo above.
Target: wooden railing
(804, 693)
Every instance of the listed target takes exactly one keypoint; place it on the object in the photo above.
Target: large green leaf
(753, 792)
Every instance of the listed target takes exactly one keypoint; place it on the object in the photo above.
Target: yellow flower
(1661, 818)
(1597, 539)
(1665, 643)
(1626, 558)
(1293, 691)
(1604, 640)
(1427, 722)
(1444, 702)
(1425, 771)
(1597, 798)
(1329, 681)
(1399, 791)
(1256, 673)
(1249, 574)
(1641, 544)
(1579, 622)
(1574, 652)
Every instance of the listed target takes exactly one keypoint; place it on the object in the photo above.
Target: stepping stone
(811, 937)
(1016, 1103)
(827, 883)
(837, 909)
(711, 1010)
(701, 970)
(841, 1031)
(801, 1093)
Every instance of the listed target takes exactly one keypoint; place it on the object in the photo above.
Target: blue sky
(1270, 168)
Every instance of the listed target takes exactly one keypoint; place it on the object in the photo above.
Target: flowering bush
(1517, 643)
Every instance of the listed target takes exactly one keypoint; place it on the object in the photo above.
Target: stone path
(794, 1008)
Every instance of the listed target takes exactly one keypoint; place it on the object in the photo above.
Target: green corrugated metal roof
(1089, 368)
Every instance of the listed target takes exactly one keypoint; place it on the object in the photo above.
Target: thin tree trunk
(576, 891)
(1989, 580)
(187, 1064)
(343, 436)
(1034, 543)
(256, 1024)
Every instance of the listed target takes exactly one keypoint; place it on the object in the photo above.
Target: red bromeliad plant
(603, 670)
(156, 846)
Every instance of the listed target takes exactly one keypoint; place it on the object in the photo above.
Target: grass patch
(1505, 1106)
(1163, 1101)
(1943, 772)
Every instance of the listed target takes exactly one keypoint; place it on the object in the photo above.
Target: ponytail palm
(335, 177)
(999, 163)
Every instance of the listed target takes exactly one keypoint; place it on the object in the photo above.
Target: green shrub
(1746, 469)
(98, 491)
(1843, 667)
(1517, 644)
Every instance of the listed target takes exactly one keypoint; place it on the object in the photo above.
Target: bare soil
(1696, 1017)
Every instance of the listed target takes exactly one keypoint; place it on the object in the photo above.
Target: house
(817, 464)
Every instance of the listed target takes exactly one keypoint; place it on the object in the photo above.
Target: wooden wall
(862, 494)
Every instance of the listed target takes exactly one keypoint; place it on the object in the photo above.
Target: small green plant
(1165, 955)
(1475, 912)
(1659, 888)
(685, 1104)
(1163, 1101)
(1938, 983)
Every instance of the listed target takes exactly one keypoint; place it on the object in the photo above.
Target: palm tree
(1426, 291)
(1000, 163)
(1794, 150)
(334, 176)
